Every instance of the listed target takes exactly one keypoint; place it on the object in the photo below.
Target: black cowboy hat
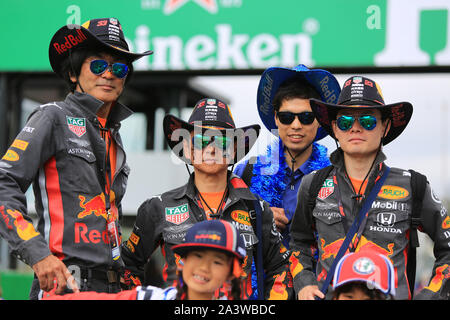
(105, 33)
(212, 116)
(363, 93)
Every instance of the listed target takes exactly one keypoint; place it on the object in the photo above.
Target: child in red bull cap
(364, 275)
(359, 203)
(212, 254)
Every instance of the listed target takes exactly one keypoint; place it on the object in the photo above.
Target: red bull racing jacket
(163, 221)
(386, 230)
(61, 152)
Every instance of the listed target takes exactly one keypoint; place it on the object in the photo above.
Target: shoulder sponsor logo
(326, 190)
(11, 155)
(435, 197)
(25, 229)
(393, 192)
(134, 238)
(446, 223)
(28, 129)
(77, 125)
(177, 215)
(20, 144)
(241, 217)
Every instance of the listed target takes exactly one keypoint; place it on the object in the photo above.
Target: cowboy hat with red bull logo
(363, 93)
(211, 116)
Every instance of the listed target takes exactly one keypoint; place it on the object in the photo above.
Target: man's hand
(280, 218)
(52, 269)
(310, 293)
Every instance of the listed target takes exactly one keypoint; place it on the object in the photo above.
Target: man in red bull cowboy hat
(72, 152)
(362, 123)
(211, 143)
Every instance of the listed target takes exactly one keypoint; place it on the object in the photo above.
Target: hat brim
(245, 137)
(183, 248)
(323, 81)
(400, 114)
(76, 36)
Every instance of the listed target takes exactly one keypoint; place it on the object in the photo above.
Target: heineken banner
(240, 34)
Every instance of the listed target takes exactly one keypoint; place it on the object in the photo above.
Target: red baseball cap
(366, 266)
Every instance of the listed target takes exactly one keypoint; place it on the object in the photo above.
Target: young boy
(212, 252)
(210, 142)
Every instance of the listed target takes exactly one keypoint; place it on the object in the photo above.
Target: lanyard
(359, 220)
(111, 226)
(344, 217)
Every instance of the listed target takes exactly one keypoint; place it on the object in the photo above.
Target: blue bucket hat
(321, 80)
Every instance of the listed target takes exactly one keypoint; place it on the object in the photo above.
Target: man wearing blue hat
(283, 106)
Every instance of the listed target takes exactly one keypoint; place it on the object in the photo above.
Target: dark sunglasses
(345, 123)
(98, 67)
(287, 117)
(200, 141)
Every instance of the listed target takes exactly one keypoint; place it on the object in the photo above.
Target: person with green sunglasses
(211, 144)
(361, 124)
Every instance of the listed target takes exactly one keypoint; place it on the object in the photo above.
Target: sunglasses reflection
(207, 144)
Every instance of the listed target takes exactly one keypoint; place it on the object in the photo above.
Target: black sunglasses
(287, 117)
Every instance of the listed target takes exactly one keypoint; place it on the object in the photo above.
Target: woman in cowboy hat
(72, 152)
(211, 143)
(361, 123)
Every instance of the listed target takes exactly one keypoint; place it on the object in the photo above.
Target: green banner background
(202, 34)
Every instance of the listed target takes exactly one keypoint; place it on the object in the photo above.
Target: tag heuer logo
(77, 125)
(327, 189)
(177, 215)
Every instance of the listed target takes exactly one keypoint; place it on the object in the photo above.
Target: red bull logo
(94, 206)
(70, 41)
(25, 229)
(364, 244)
(214, 237)
(278, 291)
(330, 250)
(294, 265)
(442, 272)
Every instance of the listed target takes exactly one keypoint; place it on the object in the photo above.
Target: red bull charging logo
(331, 250)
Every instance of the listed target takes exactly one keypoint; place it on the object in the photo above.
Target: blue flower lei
(269, 179)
